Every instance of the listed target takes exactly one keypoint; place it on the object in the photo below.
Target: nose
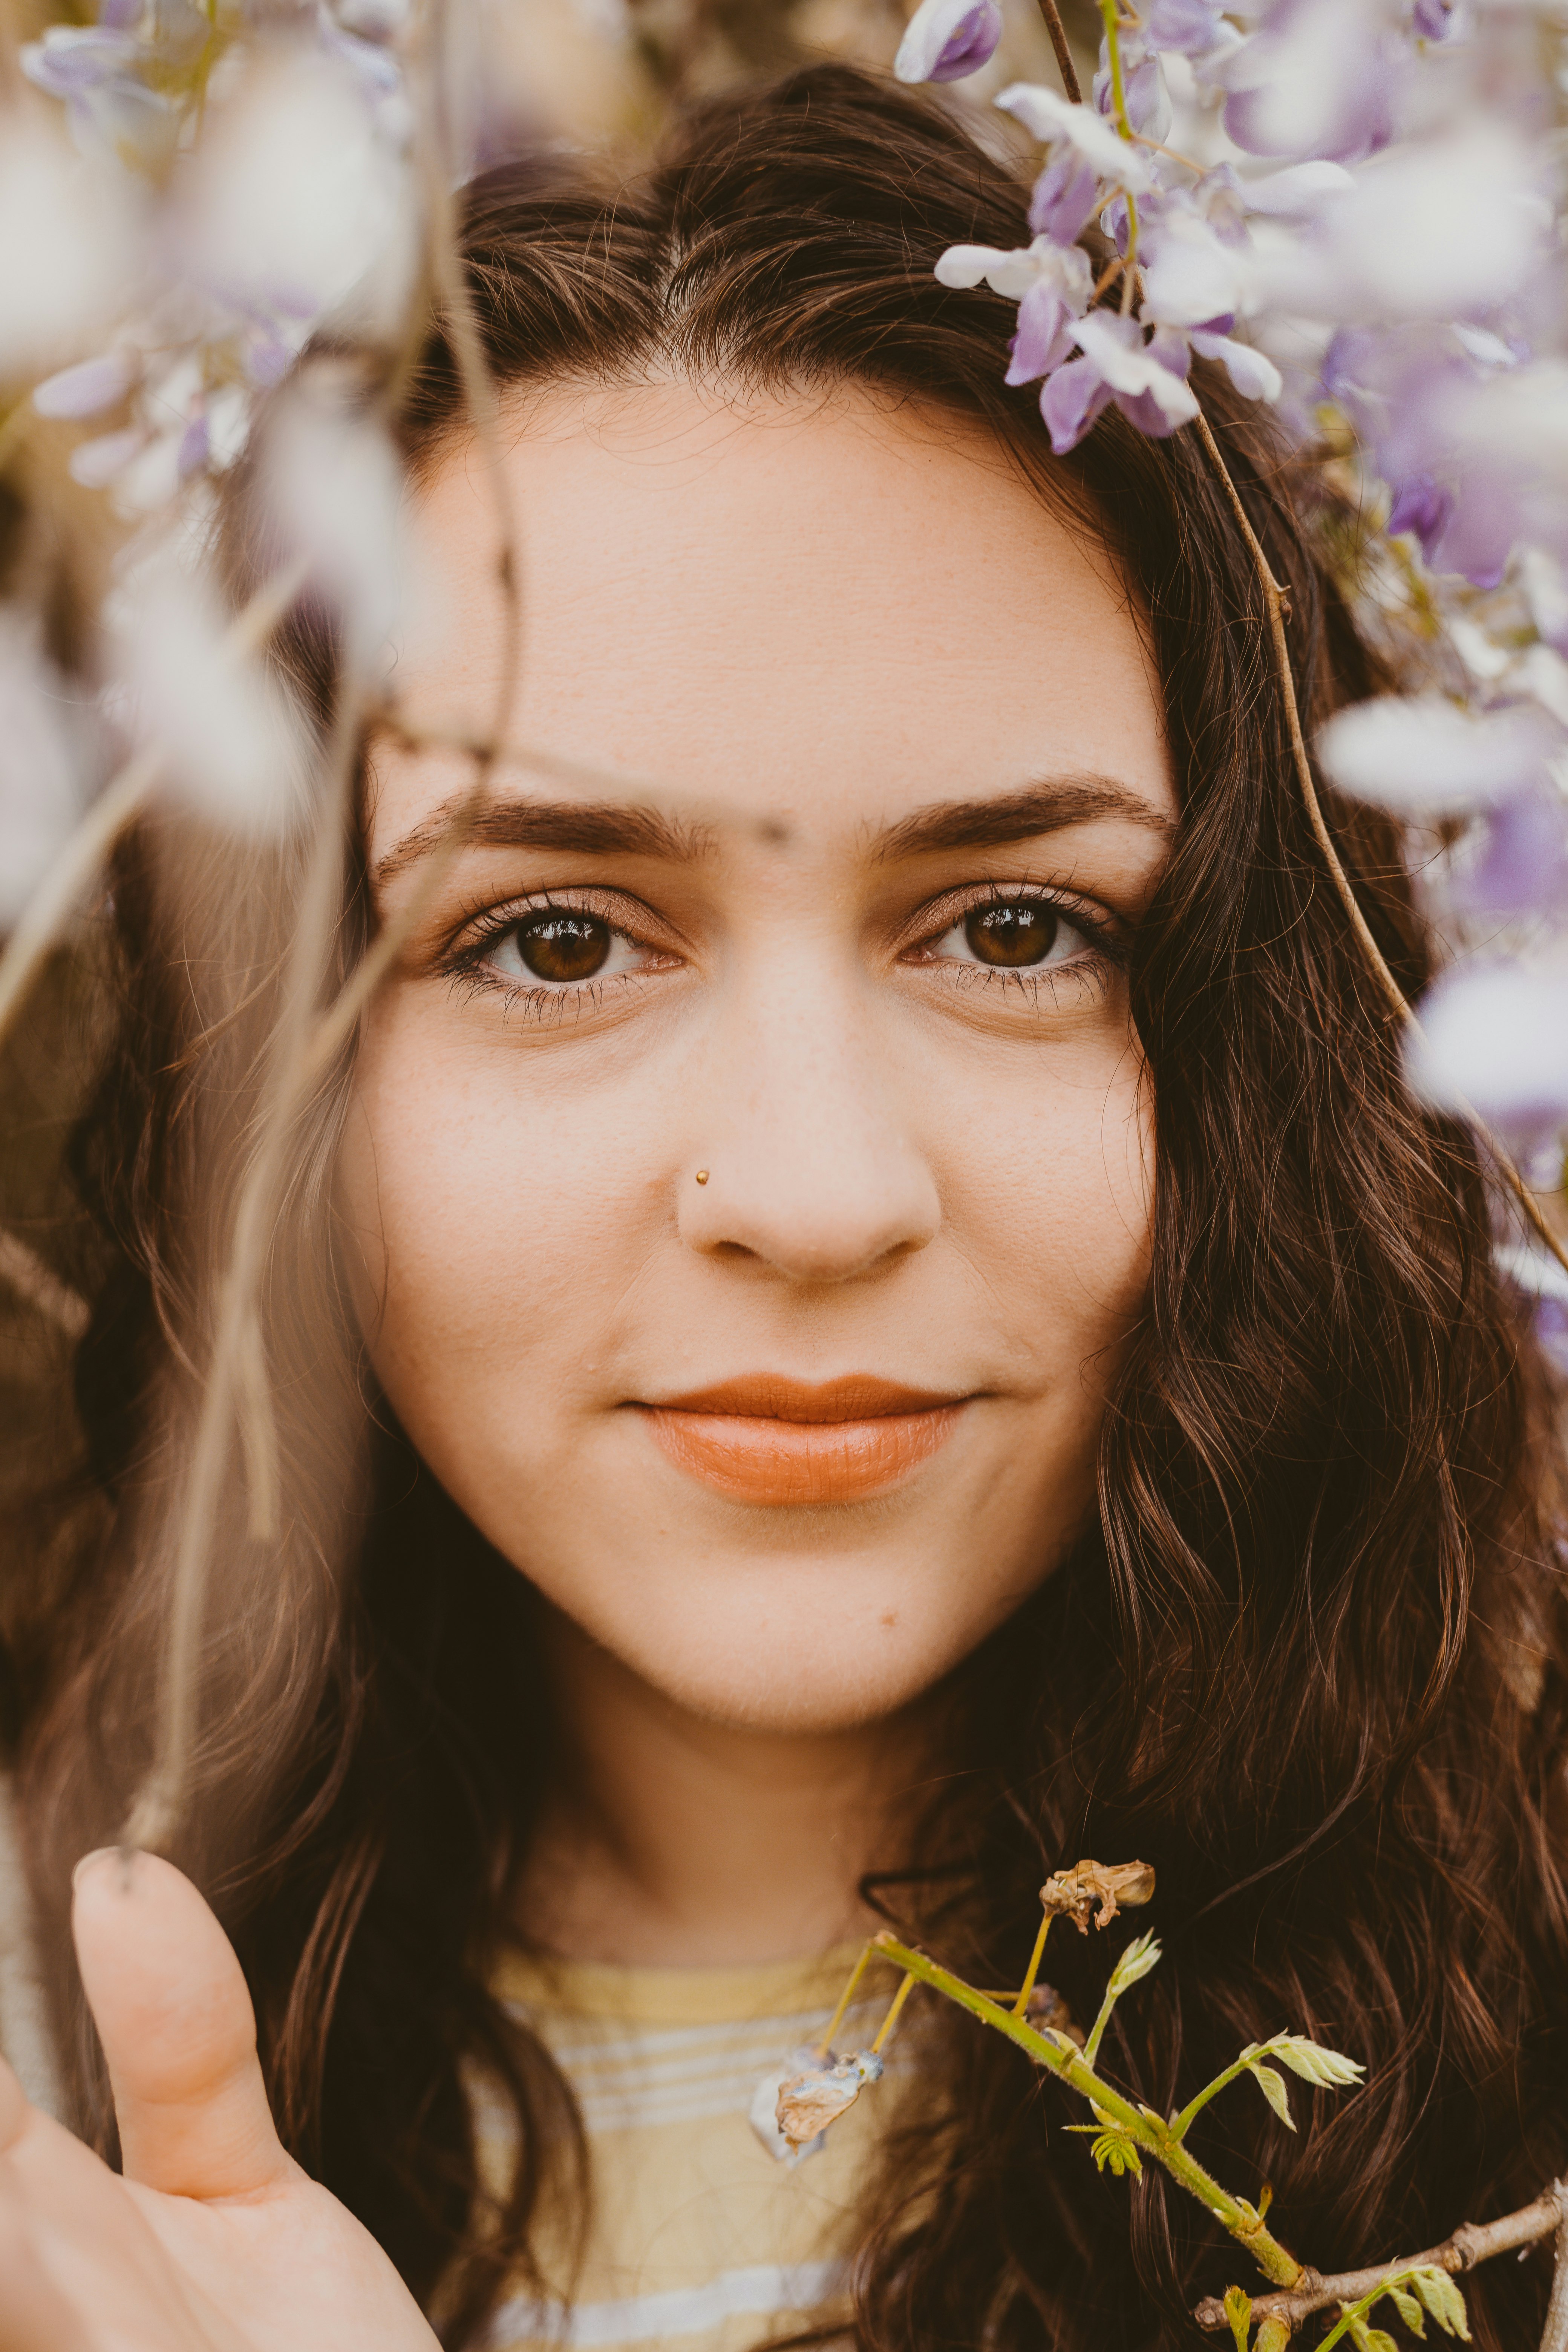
(804, 1135)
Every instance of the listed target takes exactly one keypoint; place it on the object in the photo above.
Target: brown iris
(1012, 933)
(564, 947)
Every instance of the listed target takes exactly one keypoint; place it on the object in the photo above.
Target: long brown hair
(1310, 1660)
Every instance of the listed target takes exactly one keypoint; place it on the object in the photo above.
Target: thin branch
(1471, 2244)
(1277, 601)
(1065, 65)
(25, 1273)
(234, 1385)
(1556, 2337)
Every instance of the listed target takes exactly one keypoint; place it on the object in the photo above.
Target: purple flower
(1046, 333)
(1192, 27)
(1421, 506)
(1524, 866)
(1146, 378)
(1065, 197)
(87, 389)
(1495, 1037)
(1319, 79)
(195, 447)
(1551, 1320)
(1070, 401)
(945, 40)
(75, 58)
(1148, 103)
(1433, 20)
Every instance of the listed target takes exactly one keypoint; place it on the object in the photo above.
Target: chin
(812, 1676)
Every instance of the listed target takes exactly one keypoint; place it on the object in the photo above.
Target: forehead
(817, 606)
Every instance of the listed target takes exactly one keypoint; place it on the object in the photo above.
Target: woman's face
(750, 1161)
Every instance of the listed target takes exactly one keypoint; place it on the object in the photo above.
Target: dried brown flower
(1112, 1885)
(808, 2102)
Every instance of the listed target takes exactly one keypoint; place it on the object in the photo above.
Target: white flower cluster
(193, 197)
(1355, 206)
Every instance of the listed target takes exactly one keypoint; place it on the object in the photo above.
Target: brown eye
(564, 947)
(1012, 933)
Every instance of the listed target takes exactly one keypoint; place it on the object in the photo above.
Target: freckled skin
(804, 619)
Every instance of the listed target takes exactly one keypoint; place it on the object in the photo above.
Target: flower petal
(945, 40)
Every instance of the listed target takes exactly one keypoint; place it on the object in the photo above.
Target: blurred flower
(333, 487)
(231, 746)
(87, 389)
(1447, 228)
(1321, 78)
(70, 256)
(1494, 1038)
(40, 763)
(292, 198)
(946, 39)
(1421, 756)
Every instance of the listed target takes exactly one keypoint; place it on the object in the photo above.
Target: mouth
(769, 1439)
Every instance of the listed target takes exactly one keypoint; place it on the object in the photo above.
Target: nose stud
(702, 1175)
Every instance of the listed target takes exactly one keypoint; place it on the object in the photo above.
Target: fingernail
(100, 1854)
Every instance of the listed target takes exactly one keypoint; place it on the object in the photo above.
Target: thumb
(178, 2030)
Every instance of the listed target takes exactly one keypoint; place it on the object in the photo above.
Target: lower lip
(800, 1461)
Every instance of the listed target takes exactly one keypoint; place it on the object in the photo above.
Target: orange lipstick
(768, 1439)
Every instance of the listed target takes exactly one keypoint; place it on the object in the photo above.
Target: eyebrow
(601, 829)
(1048, 806)
(585, 829)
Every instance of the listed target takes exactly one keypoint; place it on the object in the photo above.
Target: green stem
(1119, 103)
(1097, 2032)
(1351, 2312)
(1145, 2129)
(1179, 2125)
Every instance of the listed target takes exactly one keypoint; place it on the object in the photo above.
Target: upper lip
(774, 1396)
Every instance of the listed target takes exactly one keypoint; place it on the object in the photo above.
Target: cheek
(481, 1211)
(520, 1269)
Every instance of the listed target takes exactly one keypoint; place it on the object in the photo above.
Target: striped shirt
(703, 2237)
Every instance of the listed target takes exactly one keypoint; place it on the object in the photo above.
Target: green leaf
(1238, 2311)
(1272, 2086)
(1443, 2300)
(1327, 2068)
(1136, 1961)
(1115, 2149)
(1378, 2339)
(1409, 2310)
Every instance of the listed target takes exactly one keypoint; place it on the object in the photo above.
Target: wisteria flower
(1064, 269)
(1145, 376)
(1494, 1038)
(1421, 756)
(1050, 118)
(1321, 78)
(946, 39)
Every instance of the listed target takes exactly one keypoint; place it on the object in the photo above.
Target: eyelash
(468, 964)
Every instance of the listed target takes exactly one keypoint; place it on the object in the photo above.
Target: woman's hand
(213, 2241)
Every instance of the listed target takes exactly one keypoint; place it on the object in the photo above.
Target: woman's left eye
(1010, 935)
(564, 947)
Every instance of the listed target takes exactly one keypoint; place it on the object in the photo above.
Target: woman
(868, 1315)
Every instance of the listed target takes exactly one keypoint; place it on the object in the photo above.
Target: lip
(770, 1439)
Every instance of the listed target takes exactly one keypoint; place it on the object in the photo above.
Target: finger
(178, 2030)
(34, 2315)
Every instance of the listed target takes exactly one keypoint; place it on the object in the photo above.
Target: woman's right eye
(564, 947)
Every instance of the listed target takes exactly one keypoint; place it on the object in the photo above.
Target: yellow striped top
(703, 2236)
